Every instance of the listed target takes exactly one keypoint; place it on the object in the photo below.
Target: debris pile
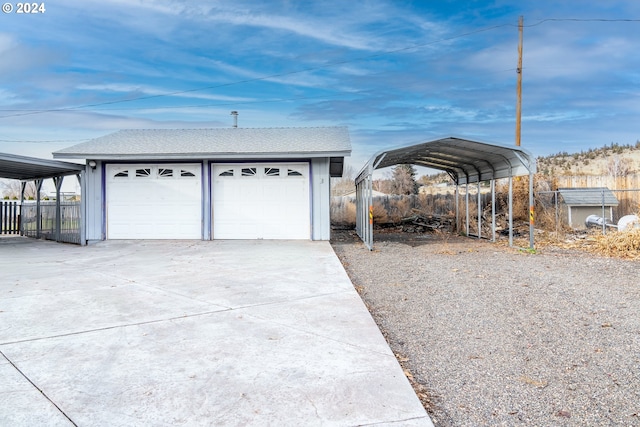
(420, 222)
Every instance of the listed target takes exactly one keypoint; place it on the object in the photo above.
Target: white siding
(321, 199)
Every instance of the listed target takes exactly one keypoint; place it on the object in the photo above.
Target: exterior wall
(207, 226)
(579, 214)
(320, 199)
(94, 203)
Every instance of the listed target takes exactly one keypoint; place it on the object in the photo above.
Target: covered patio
(466, 162)
(61, 223)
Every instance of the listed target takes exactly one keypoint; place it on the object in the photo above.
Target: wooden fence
(9, 217)
(627, 182)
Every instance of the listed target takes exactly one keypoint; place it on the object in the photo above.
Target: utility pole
(519, 85)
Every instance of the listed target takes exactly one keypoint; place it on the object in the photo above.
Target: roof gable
(219, 143)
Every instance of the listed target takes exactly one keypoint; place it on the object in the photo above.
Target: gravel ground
(497, 336)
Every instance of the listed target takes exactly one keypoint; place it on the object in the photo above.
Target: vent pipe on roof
(235, 118)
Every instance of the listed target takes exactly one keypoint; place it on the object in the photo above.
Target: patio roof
(30, 168)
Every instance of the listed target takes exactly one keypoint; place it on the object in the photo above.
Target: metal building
(465, 161)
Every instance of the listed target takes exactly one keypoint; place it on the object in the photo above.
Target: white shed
(226, 183)
(583, 202)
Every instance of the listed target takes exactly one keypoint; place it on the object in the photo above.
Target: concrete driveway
(233, 333)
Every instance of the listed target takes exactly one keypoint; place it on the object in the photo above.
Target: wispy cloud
(329, 62)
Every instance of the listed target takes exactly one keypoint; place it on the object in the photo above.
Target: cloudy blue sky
(394, 72)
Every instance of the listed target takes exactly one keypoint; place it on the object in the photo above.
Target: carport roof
(29, 168)
(228, 143)
(464, 160)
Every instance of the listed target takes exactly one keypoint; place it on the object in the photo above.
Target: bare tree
(383, 185)
(344, 185)
(12, 188)
(618, 166)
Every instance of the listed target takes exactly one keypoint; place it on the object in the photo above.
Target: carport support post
(38, 208)
(358, 209)
(531, 212)
(493, 210)
(370, 218)
(23, 186)
(510, 210)
(479, 212)
(58, 183)
(466, 201)
(457, 208)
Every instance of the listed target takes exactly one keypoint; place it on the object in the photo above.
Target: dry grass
(380, 215)
(614, 244)
(624, 244)
(343, 213)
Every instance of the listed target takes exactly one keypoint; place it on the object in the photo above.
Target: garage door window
(143, 173)
(249, 171)
(122, 174)
(293, 172)
(272, 171)
(187, 174)
(165, 173)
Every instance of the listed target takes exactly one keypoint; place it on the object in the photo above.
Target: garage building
(226, 183)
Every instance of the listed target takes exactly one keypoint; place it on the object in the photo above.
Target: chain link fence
(555, 214)
(552, 213)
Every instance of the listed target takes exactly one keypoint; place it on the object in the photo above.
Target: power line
(41, 141)
(272, 76)
(580, 20)
(262, 101)
(223, 104)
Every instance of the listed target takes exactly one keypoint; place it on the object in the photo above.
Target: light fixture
(92, 164)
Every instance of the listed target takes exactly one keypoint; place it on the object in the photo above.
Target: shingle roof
(588, 196)
(218, 143)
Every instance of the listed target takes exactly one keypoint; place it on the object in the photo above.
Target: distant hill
(608, 160)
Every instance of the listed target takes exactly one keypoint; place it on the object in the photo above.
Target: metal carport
(465, 161)
(34, 169)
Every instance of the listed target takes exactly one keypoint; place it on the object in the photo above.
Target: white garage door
(154, 201)
(261, 201)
